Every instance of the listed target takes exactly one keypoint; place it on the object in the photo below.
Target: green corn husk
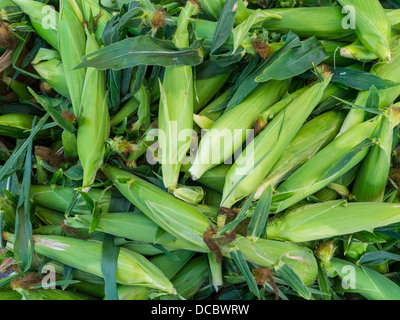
(330, 219)
(212, 7)
(54, 294)
(322, 22)
(263, 119)
(190, 194)
(94, 125)
(9, 295)
(372, 26)
(48, 65)
(335, 58)
(10, 13)
(18, 125)
(312, 137)
(171, 214)
(316, 173)
(92, 8)
(132, 226)
(70, 144)
(147, 249)
(44, 19)
(20, 89)
(186, 223)
(357, 51)
(72, 49)
(8, 212)
(374, 173)
(387, 71)
(257, 160)
(232, 129)
(345, 180)
(369, 283)
(269, 254)
(176, 106)
(213, 111)
(48, 216)
(126, 111)
(190, 279)
(59, 198)
(132, 268)
(215, 177)
(149, 137)
(206, 89)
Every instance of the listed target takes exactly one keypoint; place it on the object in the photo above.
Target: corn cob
(357, 51)
(370, 183)
(312, 137)
(176, 106)
(372, 26)
(257, 160)
(70, 144)
(234, 127)
(205, 89)
(92, 9)
(369, 283)
(330, 219)
(173, 215)
(16, 125)
(47, 216)
(126, 111)
(132, 268)
(51, 70)
(94, 125)
(387, 71)
(345, 180)
(44, 19)
(316, 173)
(131, 226)
(59, 198)
(213, 111)
(72, 47)
(190, 279)
(188, 224)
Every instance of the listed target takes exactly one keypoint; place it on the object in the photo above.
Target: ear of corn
(173, 215)
(17, 125)
(48, 64)
(369, 283)
(374, 172)
(372, 26)
(256, 161)
(357, 51)
(70, 144)
(44, 19)
(313, 136)
(176, 106)
(72, 47)
(48, 216)
(94, 125)
(322, 22)
(131, 226)
(229, 132)
(319, 171)
(91, 8)
(268, 254)
(330, 219)
(213, 111)
(132, 268)
(126, 111)
(59, 198)
(387, 71)
(189, 280)
(205, 89)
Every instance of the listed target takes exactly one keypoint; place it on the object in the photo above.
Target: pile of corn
(200, 149)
